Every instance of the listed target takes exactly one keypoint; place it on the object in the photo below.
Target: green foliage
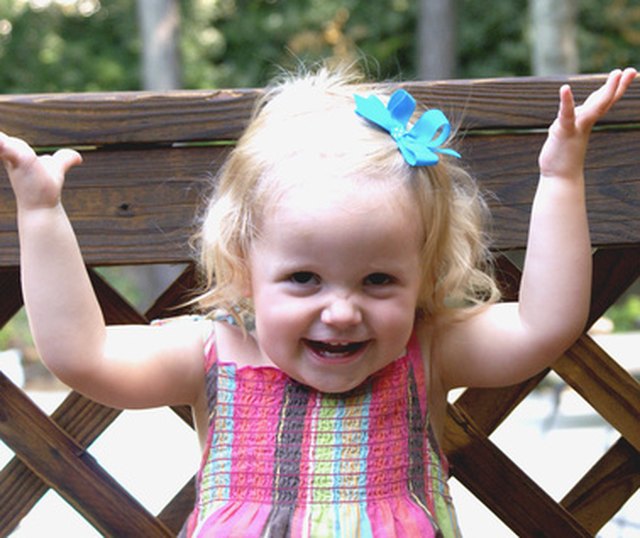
(62, 48)
(246, 42)
(492, 39)
(609, 34)
(625, 315)
(15, 334)
(93, 45)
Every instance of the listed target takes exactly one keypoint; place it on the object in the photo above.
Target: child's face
(335, 276)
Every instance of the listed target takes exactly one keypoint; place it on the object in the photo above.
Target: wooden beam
(143, 209)
(10, 292)
(490, 407)
(20, 490)
(126, 117)
(614, 271)
(182, 116)
(178, 509)
(600, 494)
(63, 464)
(602, 382)
(500, 484)
(83, 419)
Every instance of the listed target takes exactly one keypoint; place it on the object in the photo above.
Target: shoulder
(450, 337)
(151, 365)
(234, 344)
(487, 347)
(191, 332)
(447, 342)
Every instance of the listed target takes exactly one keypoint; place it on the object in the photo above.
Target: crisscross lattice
(129, 203)
(54, 453)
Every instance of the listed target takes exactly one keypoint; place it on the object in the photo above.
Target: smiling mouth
(336, 350)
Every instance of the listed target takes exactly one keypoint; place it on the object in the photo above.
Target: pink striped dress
(284, 460)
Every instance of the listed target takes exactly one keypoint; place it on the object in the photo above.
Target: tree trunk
(159, 25)
(159, 22)
(554, 29)
(437, 39)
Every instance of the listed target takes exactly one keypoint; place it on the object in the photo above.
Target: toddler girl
(348, 289)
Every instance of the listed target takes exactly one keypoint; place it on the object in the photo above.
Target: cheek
(402, 305)
(397, 319)
(277, 320)
(401, 324)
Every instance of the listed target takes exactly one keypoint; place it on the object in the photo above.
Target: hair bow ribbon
(421, 144)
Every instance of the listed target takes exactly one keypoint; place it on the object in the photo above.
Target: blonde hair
(310, 118)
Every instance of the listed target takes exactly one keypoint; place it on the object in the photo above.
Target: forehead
(328, 176)
(321, 177)
(336, 205)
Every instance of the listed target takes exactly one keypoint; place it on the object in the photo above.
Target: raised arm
(122, 366)
(556, 282)
(509, 342)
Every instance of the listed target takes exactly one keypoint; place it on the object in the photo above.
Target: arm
(121, 366)
(509, 342)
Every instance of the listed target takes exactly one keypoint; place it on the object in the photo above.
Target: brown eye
(304, 278)
(379, 279)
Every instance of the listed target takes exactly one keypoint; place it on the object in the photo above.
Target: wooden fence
(147, 159)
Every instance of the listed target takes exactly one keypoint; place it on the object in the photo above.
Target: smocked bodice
(283, 459)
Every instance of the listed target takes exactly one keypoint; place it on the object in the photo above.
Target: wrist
(44, 214)
(573, 179)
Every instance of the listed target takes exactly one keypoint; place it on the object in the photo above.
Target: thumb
(66, 159)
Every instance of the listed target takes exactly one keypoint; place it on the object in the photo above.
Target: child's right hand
(123, 366)
(36, 181)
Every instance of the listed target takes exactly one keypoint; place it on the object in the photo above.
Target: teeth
(335, 349)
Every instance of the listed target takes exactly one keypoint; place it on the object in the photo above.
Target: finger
(567, 108)
(14, 151)
(612, 91)
(627, 77)
(602, 99)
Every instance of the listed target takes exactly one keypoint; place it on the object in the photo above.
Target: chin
(335, 386)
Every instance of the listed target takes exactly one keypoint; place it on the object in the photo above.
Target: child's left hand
(564, 151)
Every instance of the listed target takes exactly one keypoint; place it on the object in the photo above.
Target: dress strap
(210, 350)
(414, 353)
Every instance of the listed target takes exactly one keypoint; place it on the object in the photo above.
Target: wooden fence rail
(148, 160)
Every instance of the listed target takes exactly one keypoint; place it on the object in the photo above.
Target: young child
(348, 290)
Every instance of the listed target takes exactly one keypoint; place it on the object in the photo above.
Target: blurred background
(95, 45)
(123, 45)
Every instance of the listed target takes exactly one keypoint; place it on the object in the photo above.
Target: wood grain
(608, 387)
(600, 494)
(187, 116)
(501, 485)
(64, 465)
(139, 206)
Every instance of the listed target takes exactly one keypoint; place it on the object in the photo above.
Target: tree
(554, 31)
(437, 39)
(92, 45)
(159, 23)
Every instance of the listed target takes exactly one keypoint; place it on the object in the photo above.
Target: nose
(341, 312)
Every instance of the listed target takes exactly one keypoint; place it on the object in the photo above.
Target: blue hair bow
(420, 145)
